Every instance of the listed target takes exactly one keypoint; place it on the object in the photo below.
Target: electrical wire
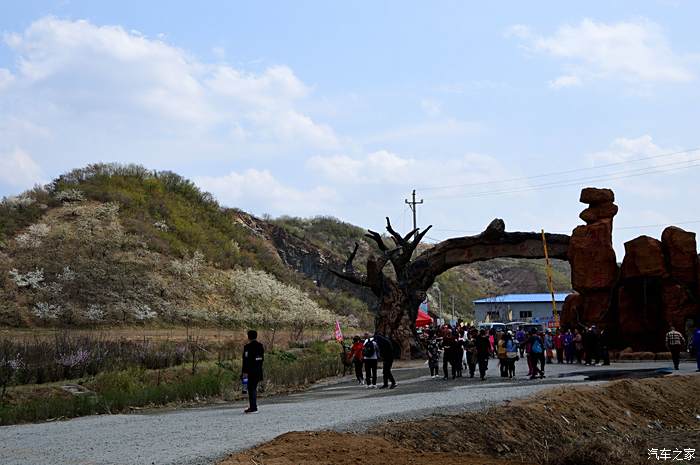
(556, 173)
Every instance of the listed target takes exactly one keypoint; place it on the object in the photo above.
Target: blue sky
(307, 108)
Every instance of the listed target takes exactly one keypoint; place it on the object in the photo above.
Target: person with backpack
(501, 353)
(370, 354)
(356, 358)
(536, 354)
(386, 353)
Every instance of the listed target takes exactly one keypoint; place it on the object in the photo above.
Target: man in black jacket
(253, 357)
(483, 346)
(386, 352)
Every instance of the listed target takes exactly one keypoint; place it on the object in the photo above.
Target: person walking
(370, 353)
(502, 355)
(569, 346)
(470, 348)
(483, 352)
(696, 344)
(675, 344)
(252, 369)
(521, 337)
(433, 352)
(386, 353)
(356, 358)
(448, 343)
(511, 354)
(548, 345)
(536, 354)
(559, 346)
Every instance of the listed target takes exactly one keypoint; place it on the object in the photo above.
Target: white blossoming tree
(268, 303)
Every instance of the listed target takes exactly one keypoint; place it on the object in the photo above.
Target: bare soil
(613, 423)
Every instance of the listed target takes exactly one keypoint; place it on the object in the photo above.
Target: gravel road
(204, 435)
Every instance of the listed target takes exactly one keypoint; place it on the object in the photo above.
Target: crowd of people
(463, 347)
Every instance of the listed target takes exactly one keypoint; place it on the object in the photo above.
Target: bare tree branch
(398, 238)
(351, 278)
(376, 237)
(348, 263)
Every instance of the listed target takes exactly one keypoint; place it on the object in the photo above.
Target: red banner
(338, 332)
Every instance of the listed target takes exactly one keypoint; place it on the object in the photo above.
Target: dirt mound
(615, 423)
(566, 425)
(330, 448)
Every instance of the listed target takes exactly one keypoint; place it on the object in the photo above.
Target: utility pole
(412, 204)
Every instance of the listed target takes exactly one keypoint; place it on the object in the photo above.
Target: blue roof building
(535, 308)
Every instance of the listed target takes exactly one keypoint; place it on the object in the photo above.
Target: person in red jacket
(356, 358)
(559, 346)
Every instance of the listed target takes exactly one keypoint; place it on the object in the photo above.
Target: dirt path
(205, 435)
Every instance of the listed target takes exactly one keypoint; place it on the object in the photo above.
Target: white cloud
(17, 169)
(103, 92)
(632, 51)
(565, 81)
(260, 192)
(387, 168)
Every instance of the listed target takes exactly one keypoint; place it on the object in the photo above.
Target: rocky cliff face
(304, 257)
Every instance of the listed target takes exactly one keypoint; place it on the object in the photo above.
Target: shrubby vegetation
(122, 244)
(122, 374)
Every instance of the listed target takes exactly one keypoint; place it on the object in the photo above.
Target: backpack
(537, 346)
(368, 349)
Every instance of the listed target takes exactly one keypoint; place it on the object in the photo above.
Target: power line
(554, 173)
(577, 181)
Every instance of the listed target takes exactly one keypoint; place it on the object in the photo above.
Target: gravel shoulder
(205, 435)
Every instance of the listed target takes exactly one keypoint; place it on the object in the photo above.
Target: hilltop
(110, 244)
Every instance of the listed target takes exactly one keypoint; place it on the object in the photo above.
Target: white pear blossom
(45, 311)
(32, 279)
(189, 268)
(161, 225)
(34, 236)
(70, 195)
(143, 313)
(20, 201)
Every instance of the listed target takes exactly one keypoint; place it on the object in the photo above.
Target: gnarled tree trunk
(400, 297)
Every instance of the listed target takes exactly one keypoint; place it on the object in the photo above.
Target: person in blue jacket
(696, 344)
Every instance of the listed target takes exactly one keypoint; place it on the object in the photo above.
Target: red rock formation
(681, 255)
(678, 305)
(592, 257)
(644, 257)
(593, 263)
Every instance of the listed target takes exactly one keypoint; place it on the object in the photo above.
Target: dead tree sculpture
(400, 296)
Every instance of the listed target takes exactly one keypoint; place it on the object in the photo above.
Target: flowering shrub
(32, 279)
(95, 313)
(144, 313)
(34, 236)
(268, 303)
(161, 225)
(189, 268)
(45, 311)
(20, 201)
(70, 195)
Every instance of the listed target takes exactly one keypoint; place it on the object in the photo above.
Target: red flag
(338, 332)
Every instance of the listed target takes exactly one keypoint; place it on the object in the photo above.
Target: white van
(499, 327)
